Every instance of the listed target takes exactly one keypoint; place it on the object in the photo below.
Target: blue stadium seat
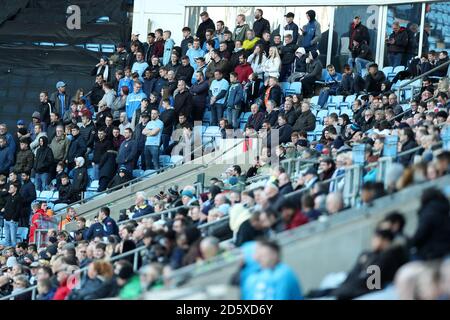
(176, 159)
(164, 160)
(284, 87)
(93, 186)
(137, 173)
(21, 234)
(149, 172)
(314, 100)
(103, 19)
(295, 88)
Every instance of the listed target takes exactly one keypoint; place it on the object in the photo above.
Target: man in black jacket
(199, 91)
(97, 91)
(397, 44)
(306, 121)
(77, 147)
(43, 163)
(383, 254)
(374, 79)
(101, 145)
(187, 40)
(51, 127)
(284, 129)
(169, 119)
(66, 193)
(185, 71)
(260, 24)
(206, 24)
(60, 98)
(28, 194)
(358, 32)
(351, 82)
(289, 112)
(361, 55)
(183, 101)
(140, 139)
(287, 57)
(407, 142)
(126, 156)
(88, 131)
(46, 107)
(12, 213)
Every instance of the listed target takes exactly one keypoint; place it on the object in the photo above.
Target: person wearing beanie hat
(311, 33)
(313, 73)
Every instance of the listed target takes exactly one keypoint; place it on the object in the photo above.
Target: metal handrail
(83, 270)
(154, 214)
(128, 183)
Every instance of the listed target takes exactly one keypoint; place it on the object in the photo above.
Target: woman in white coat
(257, 60)
(272, 65)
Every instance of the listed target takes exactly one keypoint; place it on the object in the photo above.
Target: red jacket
(35, 219)
(297, 220)
(62, 292)
(159, 48)
(243, 72)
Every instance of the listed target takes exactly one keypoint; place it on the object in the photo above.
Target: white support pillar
(422, 26)
(168, 15)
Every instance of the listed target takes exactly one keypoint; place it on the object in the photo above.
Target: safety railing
(120, 196)
(128, 183)
(419, 77)
(83, 271)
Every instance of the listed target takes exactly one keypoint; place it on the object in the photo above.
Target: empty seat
(176, 160)
(284, 87)
(93, 185)
(21, 234)
(295, 88)
(245, 116)
(164, 160)
(314, 100)
(387, 71)
(137, 173)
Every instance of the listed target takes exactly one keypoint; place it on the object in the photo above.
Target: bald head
(334, 202)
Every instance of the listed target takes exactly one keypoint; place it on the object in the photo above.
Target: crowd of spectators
(146, 100)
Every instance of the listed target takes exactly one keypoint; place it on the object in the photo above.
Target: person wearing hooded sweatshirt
(311, 33)
(43, 163)
(314, 73)
(120, 178)
(299, 65)
(168, 47)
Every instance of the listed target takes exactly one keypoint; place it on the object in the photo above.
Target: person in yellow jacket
(250, 40)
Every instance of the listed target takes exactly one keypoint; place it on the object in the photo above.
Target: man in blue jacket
(104, 227)
(311, 32)
(134, 100)
(127, 151)
(234, 100)
(273, 280)
(77, 147)
(6, 157)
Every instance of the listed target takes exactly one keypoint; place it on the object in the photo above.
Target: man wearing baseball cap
(61, 98)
